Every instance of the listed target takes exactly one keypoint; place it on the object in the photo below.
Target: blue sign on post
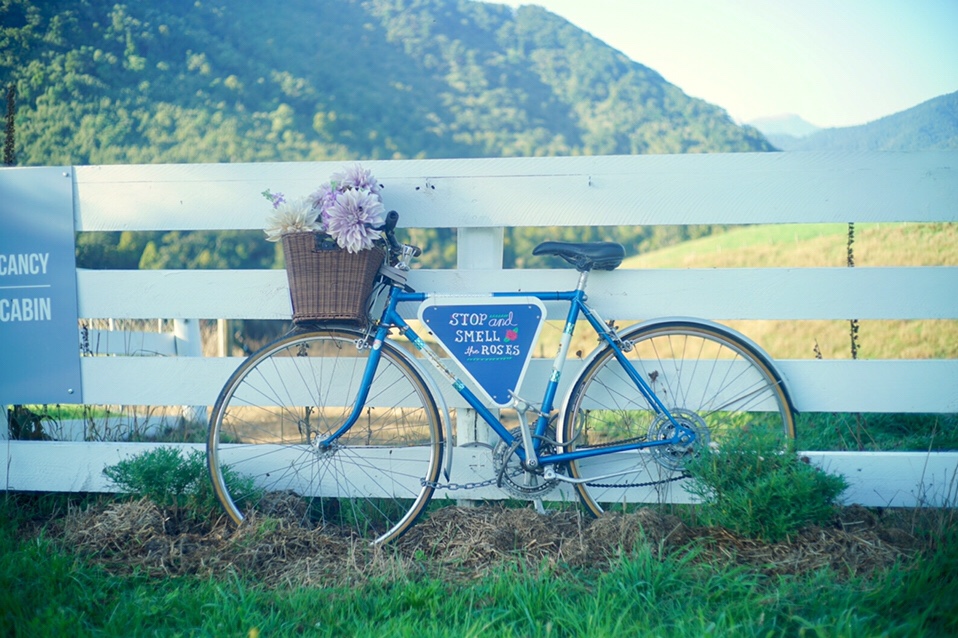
(491, 338)
(38, 290)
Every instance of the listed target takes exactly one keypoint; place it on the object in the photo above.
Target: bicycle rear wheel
(710, 380)
(267, 452)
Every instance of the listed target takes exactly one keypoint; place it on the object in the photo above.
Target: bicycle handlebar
(389, 231)
(392, 218)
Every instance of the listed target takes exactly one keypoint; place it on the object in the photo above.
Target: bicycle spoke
(275, 415)
(709, 381)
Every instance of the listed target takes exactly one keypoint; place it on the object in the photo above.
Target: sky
(832, 62)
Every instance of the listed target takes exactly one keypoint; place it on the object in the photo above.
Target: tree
(9, 139)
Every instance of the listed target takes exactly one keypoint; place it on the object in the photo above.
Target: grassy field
(815, 245)
(811, 245)
(825, 245)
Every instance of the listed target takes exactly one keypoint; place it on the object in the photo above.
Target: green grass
(818, 246)
(876, 432)
(821, 246)
(811, 246)
(46, 591)
(115, 423)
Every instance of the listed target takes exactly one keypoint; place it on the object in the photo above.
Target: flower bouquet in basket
(332, 249)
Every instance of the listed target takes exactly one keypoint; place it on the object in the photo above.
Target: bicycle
(341, 426)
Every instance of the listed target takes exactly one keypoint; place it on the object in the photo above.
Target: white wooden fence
(480, 197)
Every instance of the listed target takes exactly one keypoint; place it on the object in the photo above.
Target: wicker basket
(326, 283)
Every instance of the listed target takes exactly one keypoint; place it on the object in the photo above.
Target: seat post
(583, 280)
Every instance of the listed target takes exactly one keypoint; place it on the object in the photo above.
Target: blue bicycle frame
(577, 307)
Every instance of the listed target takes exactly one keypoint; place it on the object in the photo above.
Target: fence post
(477, 249)
(224, 340)
(189, 343)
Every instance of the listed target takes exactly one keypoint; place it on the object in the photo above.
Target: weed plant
(757, 487)
(176, 483)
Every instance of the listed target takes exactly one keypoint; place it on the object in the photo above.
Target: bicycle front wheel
(269, 450)
(710, 380)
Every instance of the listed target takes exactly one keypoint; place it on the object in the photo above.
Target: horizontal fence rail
(481, 197)
(740, 293)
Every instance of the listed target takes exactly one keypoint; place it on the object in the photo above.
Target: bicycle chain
(452, 487)
(671, 479)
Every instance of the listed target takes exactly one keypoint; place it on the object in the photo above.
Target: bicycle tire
(707, 376)
(263, 448)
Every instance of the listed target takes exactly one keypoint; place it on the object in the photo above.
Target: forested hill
(102, 82)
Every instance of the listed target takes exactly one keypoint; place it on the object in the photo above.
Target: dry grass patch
(456, 544)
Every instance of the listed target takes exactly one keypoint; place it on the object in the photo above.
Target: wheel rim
(278, 408)
(708, 379)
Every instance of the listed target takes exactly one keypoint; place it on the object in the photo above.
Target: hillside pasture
(824, 246)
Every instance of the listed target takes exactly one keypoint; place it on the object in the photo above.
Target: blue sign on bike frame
(491, 339)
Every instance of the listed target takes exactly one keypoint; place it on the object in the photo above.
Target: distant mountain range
(932, 125)
(790, 125)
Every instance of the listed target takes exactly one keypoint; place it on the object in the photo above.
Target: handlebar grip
(392, 218)
(389, 227)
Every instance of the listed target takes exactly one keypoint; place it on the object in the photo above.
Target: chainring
(673, 456)
(516, 480)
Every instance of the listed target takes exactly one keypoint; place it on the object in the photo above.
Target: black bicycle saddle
(599, 255)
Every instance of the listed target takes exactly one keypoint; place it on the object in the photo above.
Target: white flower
(350, 219)
(297, 216)
(356, 177)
